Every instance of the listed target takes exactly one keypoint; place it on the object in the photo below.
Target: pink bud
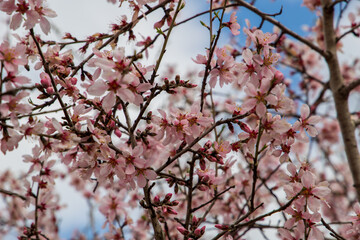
(159, 24)
(167, 197)
(45, 82)
(111, 124)
(202, 164)
(50, 90)
(118, 133)
(222, 227)
(279, 77)
(156, 199)
(194, 221)
(183, 230)
(199, 232)
(208, 144)
(202, 188)
(174, 203)
(73, 81)
(171, 211)
(206, 178)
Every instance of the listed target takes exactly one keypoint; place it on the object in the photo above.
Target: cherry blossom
(12, 57)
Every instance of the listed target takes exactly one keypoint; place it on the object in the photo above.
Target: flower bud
(50, 90)
(45, 82)
(167, 197)
(156, 200)
(183, 230)
(194, 221)
(118, 133)
(171, 211)
(222, 226)
(174, 203)
(279, 77)
(73, 80)
(199, 232)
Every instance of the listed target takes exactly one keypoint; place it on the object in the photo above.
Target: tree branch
(347, 32)
(158, 232)
(341, 100)
(13, 194)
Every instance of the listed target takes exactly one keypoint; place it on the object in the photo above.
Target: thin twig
(336, 235)
(47, 70)
(13, 194)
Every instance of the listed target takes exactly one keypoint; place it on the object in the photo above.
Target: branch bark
(341, 99)
(158, 232)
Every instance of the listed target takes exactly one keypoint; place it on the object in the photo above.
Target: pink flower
(17, 80)
(132, 159)
(11, 104)
(34, 159)
(12, 57)
(307, 123)
(247, 68)
(224, 65)
(146, 43)
(34, 12)
(258, 98)
(113, 205)
(144, 174)
(314, 193)
(113, 165)
(233, 25)
(10, 140)
(223, 148)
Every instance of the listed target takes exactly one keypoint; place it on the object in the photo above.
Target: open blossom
(144, 173)
(34, 12)
(12, 104)
(233, 25)
(258, 98)
(248, 68)
(147, 43)
(314, 193)
(352, 231)
(261, 40)
(223, 69)
(113, 205)
(12, 57)
(10, 141)
(307, 122)
(127, 87)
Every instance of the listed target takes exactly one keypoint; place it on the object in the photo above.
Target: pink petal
(305, 111)
(261, 109)
(291, 168)
(312, 131)
(45, 25)
(247, 56)
(98, 88)
(130, 169)
(308, 179)
(32, 19)
(141, 181)
(314, 120)
(108, 101)
(150, 174)
(16, 21)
